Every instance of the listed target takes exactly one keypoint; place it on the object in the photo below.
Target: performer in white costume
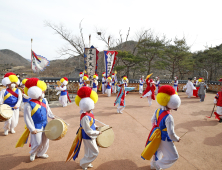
(12, 97)
(166, 154)
(141, 81)
(95, 82)
(114, 82)
(64, 96)
(157, 83)
(85, 79)
(175, 84)
(108, 86)
(36, 112)
(86, 99)
(81, 74)
(190, 87)
(103, 82)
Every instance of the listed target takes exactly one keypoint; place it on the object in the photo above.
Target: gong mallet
(211, 113)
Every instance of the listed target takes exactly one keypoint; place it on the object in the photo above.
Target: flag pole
(31, 57)
(89, 40)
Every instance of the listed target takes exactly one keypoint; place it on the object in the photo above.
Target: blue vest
(157, 85)
(12, 100)
(84, 135)
(162, 126)
(94, 85)
(113, 82)
(63, 93)
(80, 80)
(25, 100)
(40, 116)
(175, 85)
(194, 84)
(108, 86)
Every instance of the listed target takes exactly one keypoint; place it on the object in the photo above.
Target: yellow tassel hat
(86, 98)
(168, 97)
(34, 88)
(64, 80)
(10, 78)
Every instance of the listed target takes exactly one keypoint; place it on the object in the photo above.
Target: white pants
(167, 155)
(63, 100)
(148, 95)
(13, 121)
(140, 89)
(91, 152)
(103, 88)
(120, 108)
(157, 88)
(189, 94)
(39, 143)
(114, 89)
(95, 90)
(219, 111)
(108, 91)
(175, 88)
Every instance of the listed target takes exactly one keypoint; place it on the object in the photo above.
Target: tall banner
(90, 61)
(38, 62)
(110, 59)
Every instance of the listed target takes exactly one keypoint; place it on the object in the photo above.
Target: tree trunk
(148, 71)
(127, 72)
(173, 72)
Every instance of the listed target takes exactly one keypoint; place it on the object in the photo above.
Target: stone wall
(214, 86)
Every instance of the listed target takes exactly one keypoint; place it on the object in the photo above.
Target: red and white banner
(110, 59)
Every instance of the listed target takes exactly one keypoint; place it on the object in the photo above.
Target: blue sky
(199, 21)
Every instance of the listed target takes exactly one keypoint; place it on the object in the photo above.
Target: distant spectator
(202, 89)
(220, 79)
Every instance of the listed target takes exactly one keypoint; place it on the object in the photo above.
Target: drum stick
(182, 135)
(106, 129)
(43, 131)
(62, 120)
(100, 122)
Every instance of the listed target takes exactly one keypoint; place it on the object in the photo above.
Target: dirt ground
(200, 148)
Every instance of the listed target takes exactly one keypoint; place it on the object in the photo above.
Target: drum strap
(10, 92)
(67, 95)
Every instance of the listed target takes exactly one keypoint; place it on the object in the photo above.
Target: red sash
(38, 102)
(163, 114)
(67, 95)
(12, 92)
(122, 98)
(86, 114)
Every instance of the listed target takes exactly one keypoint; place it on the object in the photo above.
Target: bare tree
(76, 42)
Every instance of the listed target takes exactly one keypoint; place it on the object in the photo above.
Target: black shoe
(220, 120)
